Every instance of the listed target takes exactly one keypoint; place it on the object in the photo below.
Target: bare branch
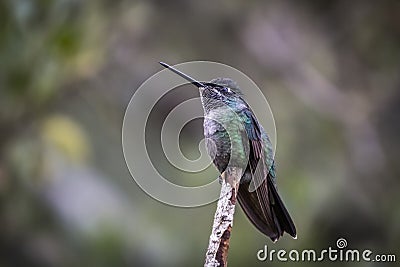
(217, 252)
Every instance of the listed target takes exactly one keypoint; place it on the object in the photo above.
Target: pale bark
(218, 246)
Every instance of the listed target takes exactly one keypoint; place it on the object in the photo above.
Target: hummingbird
(235, 137)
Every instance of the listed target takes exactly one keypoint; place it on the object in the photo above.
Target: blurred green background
(331, 73)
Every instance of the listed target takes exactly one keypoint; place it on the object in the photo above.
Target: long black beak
(183, 75)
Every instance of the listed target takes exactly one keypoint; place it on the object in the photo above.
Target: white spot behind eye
(229, 89)
(218, 92)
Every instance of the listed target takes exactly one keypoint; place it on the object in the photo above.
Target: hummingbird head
(216, 93)
(223, 89)
(229, 83)
(220, 92)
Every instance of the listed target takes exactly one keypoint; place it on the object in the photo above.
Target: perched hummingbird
(262, 205)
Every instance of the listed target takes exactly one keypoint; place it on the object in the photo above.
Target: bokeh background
(331, 73)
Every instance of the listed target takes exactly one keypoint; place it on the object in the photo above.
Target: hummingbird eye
(226, 90)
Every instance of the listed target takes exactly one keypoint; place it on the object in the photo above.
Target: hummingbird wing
(263, 206)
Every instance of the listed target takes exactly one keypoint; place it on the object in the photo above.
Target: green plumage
(234, 138)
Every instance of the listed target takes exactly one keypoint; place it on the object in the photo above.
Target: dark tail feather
(282, 215)
(254, 211)
(269, 215)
